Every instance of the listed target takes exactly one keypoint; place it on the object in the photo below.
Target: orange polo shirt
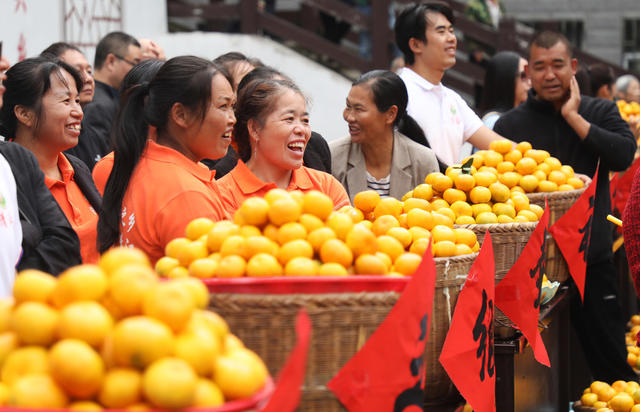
(241, 183)
(77, 209)
(166, 191)
(101, 172)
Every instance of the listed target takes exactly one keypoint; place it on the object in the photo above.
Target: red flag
(467, 354)
(518, 293)
(286, 396)
(387, 374)
(572, 233)
(620, 187)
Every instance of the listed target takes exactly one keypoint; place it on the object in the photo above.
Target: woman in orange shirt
(271, 133)
(157, 187)
(42, 113)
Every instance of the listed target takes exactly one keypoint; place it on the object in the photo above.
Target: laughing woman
(377, 155)
(272, 133)
(42, 113)
(157, 187)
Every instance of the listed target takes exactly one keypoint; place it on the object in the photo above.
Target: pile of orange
(620, 396)
(493, 186)
(113, 336)
(633, 351)
(627, 110)
(296, 234)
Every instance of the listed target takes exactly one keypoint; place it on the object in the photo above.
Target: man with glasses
(116, 54)
(424, 34)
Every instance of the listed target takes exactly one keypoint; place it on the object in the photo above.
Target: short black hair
(412, 23)
(57, 49)
(546, 39)
(116, 43)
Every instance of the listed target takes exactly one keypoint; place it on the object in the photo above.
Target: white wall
(326, 89)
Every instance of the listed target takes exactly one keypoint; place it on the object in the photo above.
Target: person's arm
(631, 231)
(610, 137)
(483, 137)
(49, 242)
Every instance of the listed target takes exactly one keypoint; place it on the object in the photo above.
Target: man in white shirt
(424, 34)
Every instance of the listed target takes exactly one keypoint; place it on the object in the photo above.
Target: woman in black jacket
(42, 113)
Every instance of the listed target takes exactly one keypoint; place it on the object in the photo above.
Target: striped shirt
(379, 185)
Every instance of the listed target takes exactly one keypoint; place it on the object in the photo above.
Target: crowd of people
(129, 150)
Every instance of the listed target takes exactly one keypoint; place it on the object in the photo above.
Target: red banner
(572, 233)
(387, 374)
(620, 188)
(518, 293)
(468, 352)
(286, 397)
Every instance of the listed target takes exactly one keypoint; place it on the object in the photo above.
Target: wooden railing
(301, 29)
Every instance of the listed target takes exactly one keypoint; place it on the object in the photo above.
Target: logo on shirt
(3, 202)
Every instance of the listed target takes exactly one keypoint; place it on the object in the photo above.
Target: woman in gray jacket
(385, 150)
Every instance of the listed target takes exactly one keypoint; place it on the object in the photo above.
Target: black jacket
(48, 241)
(97, 123)
(609, 140)
(316, 156)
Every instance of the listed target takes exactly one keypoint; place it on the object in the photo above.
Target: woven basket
(342, 323)
(509, 240)
(578, 407)
(559, 203)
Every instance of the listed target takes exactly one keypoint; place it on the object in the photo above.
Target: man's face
(439, 51)
(551, 71)
(126, 63)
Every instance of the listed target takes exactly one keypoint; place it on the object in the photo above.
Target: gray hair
(623, 82)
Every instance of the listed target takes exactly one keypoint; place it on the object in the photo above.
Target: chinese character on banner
(572, 233)
(468, 351)
(518, 293)
(21, 4)
(22, 47)
(377, 379)
(287, 394)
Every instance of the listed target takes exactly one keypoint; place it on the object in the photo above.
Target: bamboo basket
(509, 240)
(559, 203)
(342, 323)
(578, 407)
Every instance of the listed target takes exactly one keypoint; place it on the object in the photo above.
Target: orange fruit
(526, 166)
(414, 203)
(216, 236)
(25, 361)
(83, 282)
(199, 350)
(361, 240)
(464, 182)
(419, 233)
(115, 257)
(295, 248)
(557, 177)
(477, 159)
(479, 208)
(198, 227)
(37, 391)
(499, 192)
(8, 343)
(529, 183)
(301, 266)
(509, 179)
(523, 147)
(312, 222)
(234, 245)
(420, 218)
(501, 146)
(485, 178)
(544, 167)
(504, 209)
(540, 175)
(575, 182)
(463, 250)
(513, 156)
(438, 204)
(507, 219)
(407, 263)
(488, 169)
(77, 368)
(461, 208)
(254, 211)
(208, 395)
(264, 265)
(166, 264)
(317, 204)
(121, 387)
(553, 163)
(423, 191)
(261, 244)
(248, 231)
(388, 206)
(138, 341)
(619, 385)
(465, 220)
(355, 214)
(368, 264)
(169, 302)
(335, 250)
(621, 402)
(419, 246)
(440, 182)
(33, 285)
(170, 383)
(383, 223)
(445, 219)
(86, 321)
(588, 399)
(192, 251)
(390, 246)
(340, 223)
(517, 189)
(332, 269)
(491, 158)
(239, 374)
(504, 167)
(453, 195)
(567, 170)
(6, 306)
(440, 233)
(317, 237)
(203, 268)
(35, 323)
(366, 200)
(402, 235)
(480, 194)
(486, 218)
(529, 215)
(547, 186)
(199, 292)
(290, 231)
(284, 210)
(128, 286)
(444, 248)
(211, 321)
(84, 406)
(606, 394)
(465, 236)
